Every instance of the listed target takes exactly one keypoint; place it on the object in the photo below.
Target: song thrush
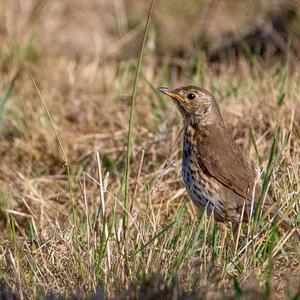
(216, 174)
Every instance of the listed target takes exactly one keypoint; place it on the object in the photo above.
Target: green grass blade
(283, 85)
(6, 96)
(273, 160)
(60, 145)
(132, 109)
(153, 239)
(253, 141)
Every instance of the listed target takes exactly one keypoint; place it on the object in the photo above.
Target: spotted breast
(196, 182)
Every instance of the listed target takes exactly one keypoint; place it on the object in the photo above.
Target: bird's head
(195, 104)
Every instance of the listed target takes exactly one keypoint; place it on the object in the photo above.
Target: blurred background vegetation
(111, 29)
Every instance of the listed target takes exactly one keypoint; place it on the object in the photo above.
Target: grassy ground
(66, 227)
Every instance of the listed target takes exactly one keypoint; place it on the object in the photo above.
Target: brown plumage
(215, 172)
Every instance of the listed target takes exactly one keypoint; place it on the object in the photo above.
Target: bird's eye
(191, 96)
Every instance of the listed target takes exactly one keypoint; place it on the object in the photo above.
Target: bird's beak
(171, 93)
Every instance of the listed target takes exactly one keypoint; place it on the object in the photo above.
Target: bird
(217, 176)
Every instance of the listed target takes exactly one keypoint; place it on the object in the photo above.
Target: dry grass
(65, 233)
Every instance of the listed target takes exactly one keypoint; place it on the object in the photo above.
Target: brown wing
(220, 156)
